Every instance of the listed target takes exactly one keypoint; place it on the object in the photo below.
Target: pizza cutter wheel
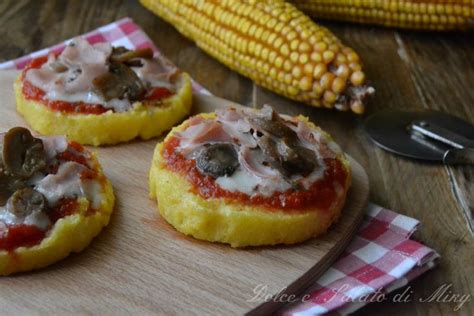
(424, 135)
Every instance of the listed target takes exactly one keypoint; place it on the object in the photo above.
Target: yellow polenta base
(237, 224)
(69, 234)
(108, 128)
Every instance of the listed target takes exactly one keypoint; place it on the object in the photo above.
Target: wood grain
(410, 70)
(141, 264)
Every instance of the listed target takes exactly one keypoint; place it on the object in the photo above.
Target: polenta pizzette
(99, 94)
(54, 199)
(247, 177)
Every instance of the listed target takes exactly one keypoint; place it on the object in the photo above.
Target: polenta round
(54, 209)
(108, 128)
(272, 206)
(115, 102)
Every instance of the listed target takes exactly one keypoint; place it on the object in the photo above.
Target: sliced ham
(307, 135)
(229, 115)
(72, 71)
(253, 162)
(314, 140)
(242, 138)
(237, 126)
(202, 131)
(266, 111)
(44, 78)
(80, 76)
(208, 131)
(79, 51)
(256, 173)
(195, 120)
(69, 77)
(36, 218)
(234, 118)
(154, 74)
(54, 145)
(65, 183)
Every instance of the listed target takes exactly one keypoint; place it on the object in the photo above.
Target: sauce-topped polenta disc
(54, 199)
(99, 94)
(248, 177)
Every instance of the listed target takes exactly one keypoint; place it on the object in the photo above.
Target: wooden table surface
(409, 70)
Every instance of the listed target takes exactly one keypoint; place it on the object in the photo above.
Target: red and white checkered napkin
(120, 33)
(380, 259)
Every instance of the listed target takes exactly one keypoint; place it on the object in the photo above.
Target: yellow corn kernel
(357, 78)
(338, 85)
(343, 71)
(326, 80)
(306, 83)
(272, 43)
(319, 71)
(316, 57)
(357, 107)
(308, 69)
(328, 56)
(329, 97)
(428, 15)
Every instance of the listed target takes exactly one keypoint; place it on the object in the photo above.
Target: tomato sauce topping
(69, 156)
(320, 195)
(34, 93)
(65, 207)
(14, 236)
(20, 236)
(158, 93)
(29, 235)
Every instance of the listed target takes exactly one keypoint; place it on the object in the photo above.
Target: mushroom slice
(296, 159)
(23, 154)
(217, 160)
(25, 201)
(8, 185)
(269, 149)
(120, 82)
(271, 123)
(122, 55)
(117, 51)
(286, 157)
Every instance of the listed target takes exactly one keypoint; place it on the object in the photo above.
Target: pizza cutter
(423, 135)
(431, 136)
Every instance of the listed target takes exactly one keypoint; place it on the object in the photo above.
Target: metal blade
(391, 130)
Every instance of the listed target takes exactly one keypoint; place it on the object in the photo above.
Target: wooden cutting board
(140, 264)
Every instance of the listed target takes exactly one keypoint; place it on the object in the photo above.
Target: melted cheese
(240, 181)
(154, 74)
(65, 183)
(38, 219)
(92, 191)
(254, 176)
(69, 76)
(54, 145)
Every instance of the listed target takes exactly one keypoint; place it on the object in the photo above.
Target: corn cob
(275, 45)
(413, 14)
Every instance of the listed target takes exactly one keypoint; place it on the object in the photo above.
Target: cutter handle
(441, 134)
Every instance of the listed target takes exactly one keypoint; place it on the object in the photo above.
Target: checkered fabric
(380, 259)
